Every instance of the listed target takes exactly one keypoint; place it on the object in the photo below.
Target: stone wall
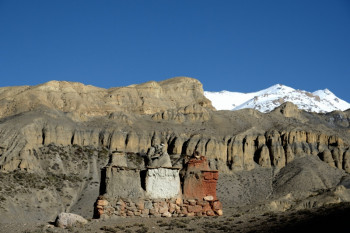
(160, 207)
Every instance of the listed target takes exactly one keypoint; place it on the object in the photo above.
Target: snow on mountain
(272, 97)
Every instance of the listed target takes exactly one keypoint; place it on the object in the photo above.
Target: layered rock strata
(178, 115)
(85, 101)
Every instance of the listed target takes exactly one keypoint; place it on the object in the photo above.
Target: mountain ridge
(89, 101)
(320, 101)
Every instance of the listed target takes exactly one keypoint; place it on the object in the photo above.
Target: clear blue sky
(228, 45)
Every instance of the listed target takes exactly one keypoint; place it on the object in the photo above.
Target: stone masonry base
(176, 207)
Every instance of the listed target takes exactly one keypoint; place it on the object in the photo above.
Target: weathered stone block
(137, 213)
(206, 207)
(131, 204)
(109, 211)
(208, 198)
(178, 201)
(153, 212)
(195, 209)
(120, 205)
(201, 203)
(172, 207)
(210, 213)
(162, 210)
(131, 208)
(140, 205)
(219, 212)
(166, 214)
(100, 212)
(192, 202)
(217, 205)
(145, 212)
(102, 202)
(148, 205)
(199, 214)
(163, 204)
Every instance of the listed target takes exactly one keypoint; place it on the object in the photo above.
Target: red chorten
(200, 181)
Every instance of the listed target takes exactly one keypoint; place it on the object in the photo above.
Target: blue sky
(231, 45)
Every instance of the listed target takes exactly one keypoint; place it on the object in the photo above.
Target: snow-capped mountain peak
(272, 97)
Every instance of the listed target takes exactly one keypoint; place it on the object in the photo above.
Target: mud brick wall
(156, 208)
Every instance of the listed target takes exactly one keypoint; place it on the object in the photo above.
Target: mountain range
(266, 100)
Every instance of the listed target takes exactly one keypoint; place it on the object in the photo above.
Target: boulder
(65, 220)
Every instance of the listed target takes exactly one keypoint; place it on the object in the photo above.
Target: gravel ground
(312, 220)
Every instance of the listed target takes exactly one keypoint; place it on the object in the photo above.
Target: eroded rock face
(243, 151)
(84, 101)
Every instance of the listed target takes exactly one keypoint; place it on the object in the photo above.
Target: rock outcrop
(157, 156)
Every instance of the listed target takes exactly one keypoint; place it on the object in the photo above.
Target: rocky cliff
(84, 101)
(63, 129)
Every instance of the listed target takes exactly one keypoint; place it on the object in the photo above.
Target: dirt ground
(323, 219)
